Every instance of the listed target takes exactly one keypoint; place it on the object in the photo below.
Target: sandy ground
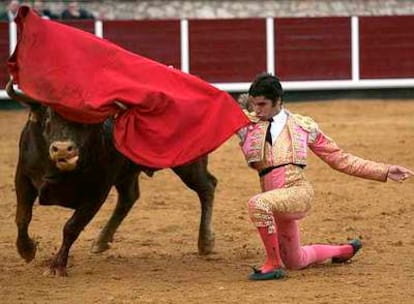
(154, 256)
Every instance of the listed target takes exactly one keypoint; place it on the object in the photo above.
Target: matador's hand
(398, 173)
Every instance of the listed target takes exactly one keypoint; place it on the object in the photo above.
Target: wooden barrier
(306, 53)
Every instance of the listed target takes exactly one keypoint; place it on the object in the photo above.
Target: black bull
(75, 165)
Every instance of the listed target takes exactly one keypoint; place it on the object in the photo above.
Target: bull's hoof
(206, 246)
(26, 249)
(100, 247)
(56, 272)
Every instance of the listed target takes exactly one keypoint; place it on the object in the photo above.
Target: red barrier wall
(4, 53)
(232, 50)
(386, 47)
(85, 25)
(156, 39)
(313, 48)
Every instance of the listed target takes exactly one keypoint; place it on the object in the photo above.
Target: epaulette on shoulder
(252, 116)
(306, 122)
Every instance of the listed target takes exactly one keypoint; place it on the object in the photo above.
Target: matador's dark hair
(266, 85)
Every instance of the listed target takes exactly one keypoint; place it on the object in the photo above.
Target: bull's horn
(244, 102)
(121, 105)
(17, 96)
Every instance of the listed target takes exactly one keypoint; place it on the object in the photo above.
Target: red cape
(173, 117)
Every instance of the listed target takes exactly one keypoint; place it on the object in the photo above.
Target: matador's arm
(326, 149)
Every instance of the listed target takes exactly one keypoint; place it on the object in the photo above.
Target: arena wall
(312, 52)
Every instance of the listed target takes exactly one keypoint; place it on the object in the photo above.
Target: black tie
(268, 134)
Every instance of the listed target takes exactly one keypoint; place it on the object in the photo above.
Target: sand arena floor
(154, 256)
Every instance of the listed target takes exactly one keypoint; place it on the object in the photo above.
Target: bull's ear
(35, 115)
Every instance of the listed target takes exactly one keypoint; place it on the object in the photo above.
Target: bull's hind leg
(197, 178)
(128, 194)
(26, 194)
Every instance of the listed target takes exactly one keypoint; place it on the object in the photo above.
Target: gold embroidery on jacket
(307, 124)
(290, 146)
(348, 163)
(256, 142)
(281, 152)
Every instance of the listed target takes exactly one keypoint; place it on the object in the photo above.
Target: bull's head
(68, 142)
(66, 139)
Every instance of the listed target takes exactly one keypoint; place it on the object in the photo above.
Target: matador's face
(264, 107)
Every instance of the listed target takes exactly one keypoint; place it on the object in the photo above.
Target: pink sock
(295, 256)
(320, 253)
(271, 245)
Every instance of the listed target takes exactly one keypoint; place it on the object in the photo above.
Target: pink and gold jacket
(302, 133)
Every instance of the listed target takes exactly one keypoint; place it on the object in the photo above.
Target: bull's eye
(54, 149)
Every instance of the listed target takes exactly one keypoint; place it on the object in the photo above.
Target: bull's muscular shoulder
(305, 122)
(252, 116)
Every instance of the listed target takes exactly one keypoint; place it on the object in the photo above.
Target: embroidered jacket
(299, 134)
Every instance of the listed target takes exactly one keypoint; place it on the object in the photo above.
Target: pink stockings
(276, 212)
(271, 245)
(283, 246)
(295, 256)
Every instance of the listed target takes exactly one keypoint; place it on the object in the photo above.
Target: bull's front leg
(128, 193)
(26, 194)
(73, 227)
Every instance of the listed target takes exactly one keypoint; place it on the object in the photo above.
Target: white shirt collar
(280, 118)
(278, 123)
